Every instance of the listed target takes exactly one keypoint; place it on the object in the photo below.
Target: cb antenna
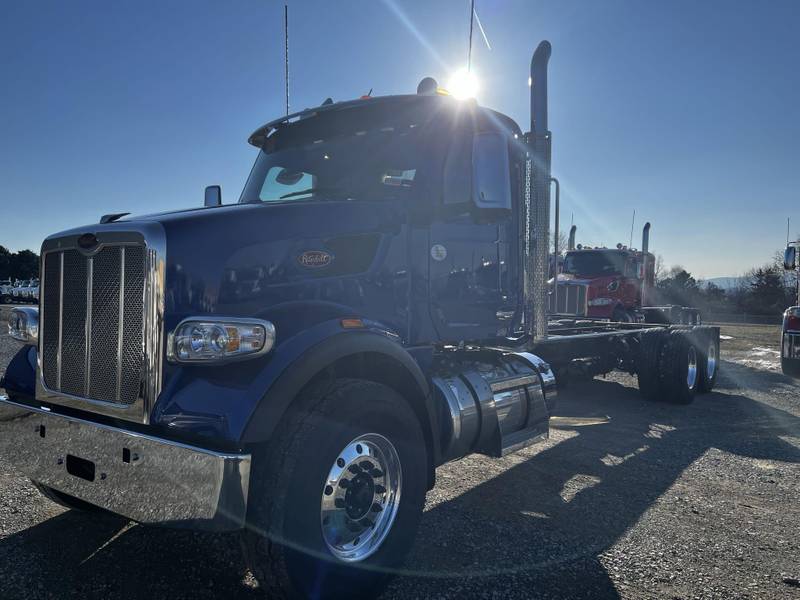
(471, 21)
(633, 220)
(286, 52)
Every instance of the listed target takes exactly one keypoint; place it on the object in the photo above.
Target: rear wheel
(651, 342)
(679, 368)
(336, 497)
(668, 365)
(708, 348)
(621, 315)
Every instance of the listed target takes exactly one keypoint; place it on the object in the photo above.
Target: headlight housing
(23, 324)
(211, 340)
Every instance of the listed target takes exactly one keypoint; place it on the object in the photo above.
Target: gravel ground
(628, 499)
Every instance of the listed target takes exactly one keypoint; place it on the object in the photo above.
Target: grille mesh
(106, 276)
(86, 295)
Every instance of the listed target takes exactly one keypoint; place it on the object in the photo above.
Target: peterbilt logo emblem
(88, 241)
(315, 259)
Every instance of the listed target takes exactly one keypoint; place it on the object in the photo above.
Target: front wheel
(336, 497)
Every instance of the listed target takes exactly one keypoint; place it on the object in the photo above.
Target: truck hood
(240, 260)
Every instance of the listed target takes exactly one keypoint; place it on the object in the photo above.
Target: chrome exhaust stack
(571, 242)
(537, 200)
(645, 261)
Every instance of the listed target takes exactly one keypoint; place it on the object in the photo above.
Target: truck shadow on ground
(529, 525)
(537, 528)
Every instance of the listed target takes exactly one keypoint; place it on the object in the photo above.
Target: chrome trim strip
(87, 373)
(161, 482)
(121, 319)
(60, 315)
(123, 233)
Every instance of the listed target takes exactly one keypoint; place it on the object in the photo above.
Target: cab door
(469, 241)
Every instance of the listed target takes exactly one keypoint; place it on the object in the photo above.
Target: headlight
(23, 325)
(214, 340)
(601, 302)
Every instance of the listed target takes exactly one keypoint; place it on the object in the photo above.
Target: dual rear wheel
(676, 364)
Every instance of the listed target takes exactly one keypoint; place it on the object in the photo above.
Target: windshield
(604, 262)
(338, 158)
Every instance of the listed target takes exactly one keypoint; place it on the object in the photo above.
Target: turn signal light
(791, 319)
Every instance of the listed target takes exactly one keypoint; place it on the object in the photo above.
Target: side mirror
(491, 172)
(790, 258)
(213, 196)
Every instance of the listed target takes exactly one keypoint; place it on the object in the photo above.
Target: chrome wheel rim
(711, 365)
(360, 497)
(691, 375)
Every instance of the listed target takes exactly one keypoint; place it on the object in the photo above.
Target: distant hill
(726, 283)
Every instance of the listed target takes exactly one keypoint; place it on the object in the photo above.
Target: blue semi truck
(298, 364)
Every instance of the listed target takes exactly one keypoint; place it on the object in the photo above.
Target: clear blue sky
(687, 111)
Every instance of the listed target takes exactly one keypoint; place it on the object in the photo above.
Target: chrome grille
(93, 323)
(571, 300)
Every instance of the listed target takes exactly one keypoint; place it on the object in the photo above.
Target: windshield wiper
(312, 190)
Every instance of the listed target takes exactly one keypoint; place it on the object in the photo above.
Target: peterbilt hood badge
(315, 259)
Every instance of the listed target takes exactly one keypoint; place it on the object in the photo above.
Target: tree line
(764, 290)
(18, 265)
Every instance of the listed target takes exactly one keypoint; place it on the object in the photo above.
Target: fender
(413, 385)
(20, 376)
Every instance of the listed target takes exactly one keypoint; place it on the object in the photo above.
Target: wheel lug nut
(338, 503)
(379, 489)
(376, 473)
(354, 469)
(366, 465)
(377, 507)
(344, 483)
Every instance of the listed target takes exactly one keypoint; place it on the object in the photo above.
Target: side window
(491, 173)
(279, 182)
(458, 171)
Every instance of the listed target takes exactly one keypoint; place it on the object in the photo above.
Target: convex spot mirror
(790, 258)
(491, 172)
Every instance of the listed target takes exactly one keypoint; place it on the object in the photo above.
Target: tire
(679, 372)
(790, 367)
(66, 500)
(621, 315)
(651, 343)
(708, 359)
(285, 542)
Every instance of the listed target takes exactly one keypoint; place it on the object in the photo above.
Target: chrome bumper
(791, 345)
(146, 479)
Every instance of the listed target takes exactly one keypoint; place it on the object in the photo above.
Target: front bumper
(147, 479)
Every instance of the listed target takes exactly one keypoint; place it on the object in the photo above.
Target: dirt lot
(628, 499)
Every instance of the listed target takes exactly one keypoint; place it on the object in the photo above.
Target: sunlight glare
(463, 84)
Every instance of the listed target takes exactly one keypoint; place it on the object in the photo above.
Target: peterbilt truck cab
(295, 366)
(615, 280)
(790, 328)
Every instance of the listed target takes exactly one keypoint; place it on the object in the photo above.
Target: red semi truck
(612, 283)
